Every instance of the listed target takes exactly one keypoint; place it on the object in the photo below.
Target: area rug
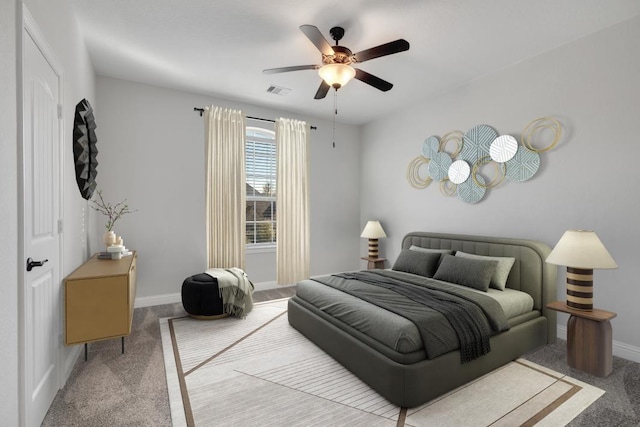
(259, 371)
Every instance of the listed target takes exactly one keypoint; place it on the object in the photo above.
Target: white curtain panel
(292, 200)
(225, 187)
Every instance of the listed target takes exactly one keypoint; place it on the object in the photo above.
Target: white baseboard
(70, 362)
(177, 297)
(620, 349)
(157, 300)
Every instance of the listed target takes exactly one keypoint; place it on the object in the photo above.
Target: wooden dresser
(99, 297)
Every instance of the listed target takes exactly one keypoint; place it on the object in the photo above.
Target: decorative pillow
(431, 251)
(500, 276)
(472, 273)
(414, 262)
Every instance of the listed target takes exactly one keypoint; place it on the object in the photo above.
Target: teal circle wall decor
(523, 165)
(430, 147)
(439, 166)
(469, 192)
(476, 143)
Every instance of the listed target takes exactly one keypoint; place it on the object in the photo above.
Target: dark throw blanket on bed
(473, 318)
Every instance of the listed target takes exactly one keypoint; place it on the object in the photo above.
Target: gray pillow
(431, 251)
(500, 276)
(468, 272)
(414, 262)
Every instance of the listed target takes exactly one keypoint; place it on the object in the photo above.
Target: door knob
(31, 263)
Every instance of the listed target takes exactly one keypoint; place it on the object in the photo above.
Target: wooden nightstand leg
(589, 346)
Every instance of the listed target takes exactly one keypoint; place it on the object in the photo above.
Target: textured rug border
(548, 416)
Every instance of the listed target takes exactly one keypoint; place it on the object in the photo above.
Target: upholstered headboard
(530, 273)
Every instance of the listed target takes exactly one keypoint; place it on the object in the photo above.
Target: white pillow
(500, 276)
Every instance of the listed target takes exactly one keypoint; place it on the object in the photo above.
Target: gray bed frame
(410, 385)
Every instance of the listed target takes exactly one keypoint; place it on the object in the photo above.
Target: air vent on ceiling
(278, 90)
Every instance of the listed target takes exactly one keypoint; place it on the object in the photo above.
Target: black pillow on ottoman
(201, 297)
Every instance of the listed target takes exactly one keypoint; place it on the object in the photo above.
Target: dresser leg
(122, 345)
(85, 352)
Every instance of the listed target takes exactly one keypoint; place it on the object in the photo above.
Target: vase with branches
(113, 212)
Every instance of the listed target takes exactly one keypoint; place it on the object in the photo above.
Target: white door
(41, 210)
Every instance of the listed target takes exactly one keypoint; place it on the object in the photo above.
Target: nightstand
(373, 263)
(589, 339)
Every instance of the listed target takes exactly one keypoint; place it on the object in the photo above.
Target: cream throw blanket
(235, 290)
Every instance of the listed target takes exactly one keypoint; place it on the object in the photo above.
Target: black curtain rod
(201, 111)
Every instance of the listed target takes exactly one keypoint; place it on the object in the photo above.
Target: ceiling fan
(336, 69)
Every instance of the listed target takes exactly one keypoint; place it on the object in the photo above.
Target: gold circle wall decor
(541, 123)
(413, 173)
(448, 188)
(453, 136)
(497, 180)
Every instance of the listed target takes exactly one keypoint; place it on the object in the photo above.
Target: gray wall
(8, 216)
(590, 180)
(57, 22)
(151, 152)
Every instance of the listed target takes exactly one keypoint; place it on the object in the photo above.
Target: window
(260, 163)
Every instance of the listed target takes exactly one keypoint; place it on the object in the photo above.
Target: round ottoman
(201, 297)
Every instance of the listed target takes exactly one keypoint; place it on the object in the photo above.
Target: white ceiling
(220, 47)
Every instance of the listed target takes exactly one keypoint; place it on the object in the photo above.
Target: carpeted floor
(112, 389)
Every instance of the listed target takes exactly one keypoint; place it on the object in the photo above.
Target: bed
(360, 335)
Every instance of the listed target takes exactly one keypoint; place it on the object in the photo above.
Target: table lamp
(580, 251)
(373, 231)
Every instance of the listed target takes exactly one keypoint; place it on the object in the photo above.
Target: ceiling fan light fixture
(337, 75)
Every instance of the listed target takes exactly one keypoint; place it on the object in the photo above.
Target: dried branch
(112, 212)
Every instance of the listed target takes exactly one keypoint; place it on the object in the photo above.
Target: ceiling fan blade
(322, 90)
(313, 33)
(399, 45)
(287, 69)
(372, 80)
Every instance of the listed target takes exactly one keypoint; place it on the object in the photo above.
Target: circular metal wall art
(84, 148)
(413, 173)
(459, 171)
(503, 148)
(469, 192)
(536, 127)
(439, 166)
(523, 165)
(448, 188)
(476, 143)
(430, 147)
(499, 174)
(455, 137)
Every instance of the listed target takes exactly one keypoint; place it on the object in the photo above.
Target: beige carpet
(262, 372)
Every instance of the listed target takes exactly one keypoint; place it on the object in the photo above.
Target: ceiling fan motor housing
(341, 55)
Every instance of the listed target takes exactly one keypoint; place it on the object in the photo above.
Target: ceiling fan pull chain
(335, 113)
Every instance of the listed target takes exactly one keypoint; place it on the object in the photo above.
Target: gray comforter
(447, 317)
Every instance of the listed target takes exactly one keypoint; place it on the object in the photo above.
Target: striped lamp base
(580, 288)
(373, 248)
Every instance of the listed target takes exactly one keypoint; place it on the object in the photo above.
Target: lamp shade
(373, 230)
(337, 75)
(581, 249)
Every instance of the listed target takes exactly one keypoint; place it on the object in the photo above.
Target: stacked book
(114, 252)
